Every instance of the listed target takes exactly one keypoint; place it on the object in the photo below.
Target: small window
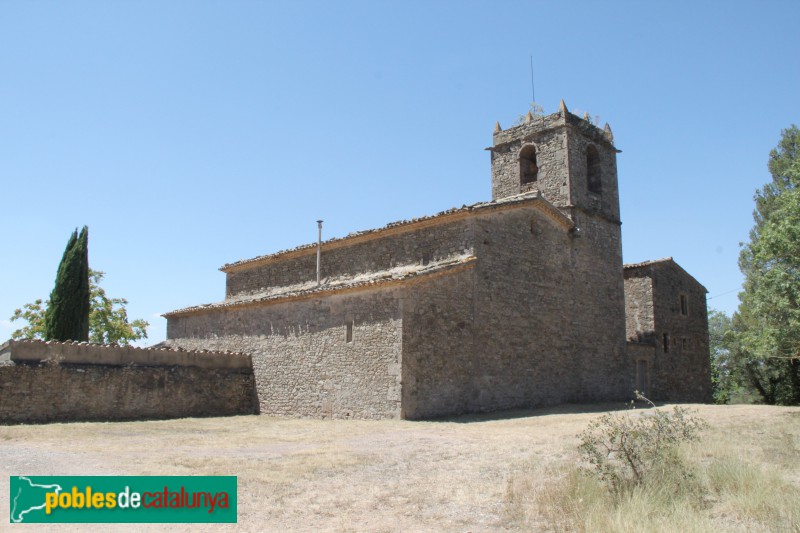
(684, 305)
(684, 343)
(666, 342)
(528, 169)
(348, 336)
(593, 174)
(426, 258)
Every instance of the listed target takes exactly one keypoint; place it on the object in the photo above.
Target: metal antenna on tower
(533, 93)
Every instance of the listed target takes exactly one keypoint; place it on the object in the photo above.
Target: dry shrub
(677, 483)
(638, 448)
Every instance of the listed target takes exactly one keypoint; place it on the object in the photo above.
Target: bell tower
(570, 161)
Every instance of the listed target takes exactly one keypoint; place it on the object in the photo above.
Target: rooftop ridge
(648, 263)
(659, 262)
(530, 196)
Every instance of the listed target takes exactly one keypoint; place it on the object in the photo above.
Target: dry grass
(742, 476)
(472, 474)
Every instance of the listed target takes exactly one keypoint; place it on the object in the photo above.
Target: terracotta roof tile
(648, 263)
(372, 279)
(9, 343)
(503, 202)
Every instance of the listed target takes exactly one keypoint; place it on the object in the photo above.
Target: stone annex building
(521, 301)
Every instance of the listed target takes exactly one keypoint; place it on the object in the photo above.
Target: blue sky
(187, 135)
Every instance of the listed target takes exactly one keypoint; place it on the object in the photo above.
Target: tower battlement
(568, 159)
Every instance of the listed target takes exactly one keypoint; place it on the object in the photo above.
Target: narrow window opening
(593, 173)
(528, 169)
(684, 304)
(426, 258)
(666, 342)
(348, 336)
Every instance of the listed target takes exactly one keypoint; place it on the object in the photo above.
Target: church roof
(643, 264)
(533, 198)
(368, 280)
(663, 262)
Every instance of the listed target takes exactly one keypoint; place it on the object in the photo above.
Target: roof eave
(325, 291)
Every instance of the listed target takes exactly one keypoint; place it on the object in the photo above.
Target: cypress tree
(67, 316)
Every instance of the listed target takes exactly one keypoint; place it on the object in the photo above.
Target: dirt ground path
(311, 475)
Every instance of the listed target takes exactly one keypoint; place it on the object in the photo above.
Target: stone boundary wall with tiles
(64, 382)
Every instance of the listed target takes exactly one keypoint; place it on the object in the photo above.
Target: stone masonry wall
(405, 247)
(560, 144)
(680, 369)
(566, 325)
(538, 322)
(548, 136)
(606, 203)
(640, 323)
(522, 305)
(441, 370)
(552, 305)
(302, 360)
(596, 316)
(43, 389)
(642, 357)
(683, 374)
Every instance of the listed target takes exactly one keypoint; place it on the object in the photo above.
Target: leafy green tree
(108, 318)
(33, 314)
(108, 321)
(67, 316)
(768, 320)
(721, 340)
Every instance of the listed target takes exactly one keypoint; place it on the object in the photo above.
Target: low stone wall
(61, 382)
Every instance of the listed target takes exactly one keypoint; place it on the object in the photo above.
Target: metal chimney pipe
(319, 248)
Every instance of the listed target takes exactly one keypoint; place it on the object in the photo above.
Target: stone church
(517, 302)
